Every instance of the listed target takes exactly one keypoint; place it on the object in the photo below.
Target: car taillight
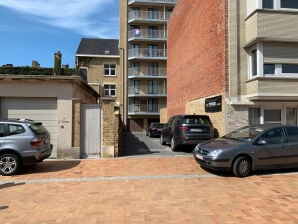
(36, 141)
(183, 128)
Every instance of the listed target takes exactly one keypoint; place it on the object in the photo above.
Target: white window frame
(259, 53)
(276, 5)
(278, 72)
(109, 69)
(109, 90)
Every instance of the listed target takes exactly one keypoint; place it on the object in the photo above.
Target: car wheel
(242, 167)
(173, 144)
(9, 164)
(162, 141)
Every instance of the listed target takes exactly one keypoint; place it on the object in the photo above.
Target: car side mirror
(261, 142)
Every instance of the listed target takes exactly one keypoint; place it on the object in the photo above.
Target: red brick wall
(197, 52)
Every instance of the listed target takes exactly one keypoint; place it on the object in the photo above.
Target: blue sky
(36, 29)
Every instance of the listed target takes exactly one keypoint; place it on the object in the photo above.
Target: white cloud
(97, 18)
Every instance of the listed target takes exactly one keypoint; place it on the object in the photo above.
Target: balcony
(147, 35)
(147, 53)
(144, 109)
(147, 72)
(142, 16)
(144, 91)
(274, 88)
(152, 2)
(274, 25)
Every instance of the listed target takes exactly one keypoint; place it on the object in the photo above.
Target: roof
(96, 46)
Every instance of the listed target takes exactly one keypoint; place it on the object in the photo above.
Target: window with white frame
(279, 4)
(109, 90)
(109, 69)
(272, 116)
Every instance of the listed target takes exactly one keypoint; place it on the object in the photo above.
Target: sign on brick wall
(213, 104)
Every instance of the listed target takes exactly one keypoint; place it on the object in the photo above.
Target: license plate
(196, 130)
(199, 157)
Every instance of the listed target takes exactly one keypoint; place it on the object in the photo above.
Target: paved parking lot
(145, 190)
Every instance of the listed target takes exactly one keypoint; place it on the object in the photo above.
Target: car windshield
(245, 134)
(157, 125)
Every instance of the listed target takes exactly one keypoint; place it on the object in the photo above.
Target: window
(109, 90)
(152, 13)
(290, 4)
(134, 87)
(289, 68)
(275, 136)
(152, 50)
(2, 132)
(254, 116)
(110, 69)
(152, 87)
(15, 129)
(269, 69)
(153, 68)
(83, 73)
(272, 116)
(254, 62)
(267, 4)
(152, 31)
(292, 134)
(152, 105)
(291, 116)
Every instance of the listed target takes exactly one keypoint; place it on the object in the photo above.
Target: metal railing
(154, 1)
(147, 53)
(146, 91)
(144, 108)
(160, 16)
(147, 71)
(147, 34)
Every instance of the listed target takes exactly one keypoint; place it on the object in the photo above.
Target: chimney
(57, 63)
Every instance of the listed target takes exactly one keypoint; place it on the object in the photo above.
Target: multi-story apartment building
(235, 60)
(98, 61)
(143, 45)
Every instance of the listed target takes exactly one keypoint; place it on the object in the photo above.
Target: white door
(38, 109)
(91, 131)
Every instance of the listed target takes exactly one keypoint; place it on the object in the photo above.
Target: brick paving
(145, 190)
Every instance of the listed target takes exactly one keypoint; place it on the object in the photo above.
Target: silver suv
(22, 142)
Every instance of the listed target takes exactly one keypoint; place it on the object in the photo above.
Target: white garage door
(38, 109)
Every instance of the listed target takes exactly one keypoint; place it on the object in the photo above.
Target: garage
(38, 109)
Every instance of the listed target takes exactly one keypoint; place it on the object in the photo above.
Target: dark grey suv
(186, 129)
(22, 142)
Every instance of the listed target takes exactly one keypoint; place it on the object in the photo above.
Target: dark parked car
(251, 148)
(154, 129)
(187, 129)
(22, 142)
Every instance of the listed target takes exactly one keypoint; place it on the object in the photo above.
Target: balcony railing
(146, 91)
(147, 53)
(144, 109)
(155, 16)
(147, 34)
(147, 72)
(153, 1)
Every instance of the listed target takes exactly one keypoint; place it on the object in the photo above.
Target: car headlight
(215, 153)
(197, 148)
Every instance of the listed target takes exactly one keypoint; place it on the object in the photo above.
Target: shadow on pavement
(6, 185)
(131, 145)
(49, 166)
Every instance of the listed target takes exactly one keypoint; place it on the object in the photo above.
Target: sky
(36, 29)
